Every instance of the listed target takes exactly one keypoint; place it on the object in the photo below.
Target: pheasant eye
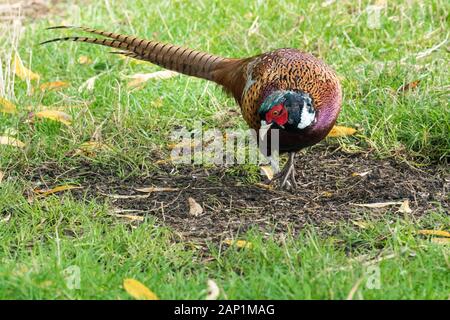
(276, 112)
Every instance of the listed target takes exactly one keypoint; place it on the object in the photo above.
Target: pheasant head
(288, 110)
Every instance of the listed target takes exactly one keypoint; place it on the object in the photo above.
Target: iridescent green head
(290, 110)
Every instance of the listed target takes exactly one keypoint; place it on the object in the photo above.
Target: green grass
(45, 237)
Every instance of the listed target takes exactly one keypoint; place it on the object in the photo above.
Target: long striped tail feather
(177, 58)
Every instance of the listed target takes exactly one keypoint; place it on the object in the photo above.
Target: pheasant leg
(287, 174)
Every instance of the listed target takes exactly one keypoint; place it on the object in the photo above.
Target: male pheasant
(284, 89)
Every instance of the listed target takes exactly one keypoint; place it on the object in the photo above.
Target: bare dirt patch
(32, 9)
(330, 182)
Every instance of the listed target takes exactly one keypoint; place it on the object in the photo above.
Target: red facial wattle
(277, 114)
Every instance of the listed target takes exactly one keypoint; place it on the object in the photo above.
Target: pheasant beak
(265, 127)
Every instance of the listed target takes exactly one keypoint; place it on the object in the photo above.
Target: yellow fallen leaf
(377, 204)
(361, 174)
(40, 107)
(129, 216)
(381, 3)
(339, 131)
(361, 224)
(6, 140)
(2, 175)
(55, 85)
(238, 243)
(91, 148)
(7, 106)
(158, 103)
(404, 208)
(126, 211)
(264, 186)
(213, 290)
(155, 189)
(55, 115)
(248, 15)
(46, 192)
(267, 171)
(22, 72)
(175, 160)
(46, 284)
(124, 196)
(435, 233)
(138, 291)
(441, 240)
(182, 145)
(129, 59)
(163, 161)
(195, 209)
(84, 60)
(409, 86)
(140, 78)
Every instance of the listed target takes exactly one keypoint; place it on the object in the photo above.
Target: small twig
(354, 289)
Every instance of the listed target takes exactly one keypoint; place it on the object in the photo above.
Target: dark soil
(328, 189)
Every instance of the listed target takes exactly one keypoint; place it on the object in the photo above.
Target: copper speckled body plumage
(249, 80)
(290, 69)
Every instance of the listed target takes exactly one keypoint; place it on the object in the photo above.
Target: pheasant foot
(286, 177)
